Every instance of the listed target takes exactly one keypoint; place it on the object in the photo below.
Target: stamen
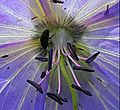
(86, 92)
(57, 1)
(54, 97)
(41, 58)
(58, 57)
(37, 86)
(47, 73)
(61, 98)
(43, 74)
(71, 50)
(83, 69)
(64, 100)
(72, 59)
(50, 59)
(107, 10)
(65, 54)
(91, 58)
(5, 56)
(73, 74)
(82, 58)
(59, 83)
(54, 55)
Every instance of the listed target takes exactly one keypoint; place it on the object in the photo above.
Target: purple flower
(59, 55)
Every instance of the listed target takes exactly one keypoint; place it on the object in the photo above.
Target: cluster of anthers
(49, 55)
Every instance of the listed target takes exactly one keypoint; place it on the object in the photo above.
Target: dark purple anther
(86, 92)
(91, 58)
(41, 58)
(61, 98)
(37, 86)
(65, 100)
(50, 59)
(72, 52)
(54, 97)
(83, 69)
(43, 74)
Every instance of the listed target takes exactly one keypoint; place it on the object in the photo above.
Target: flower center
(61, 37)
(57, 49)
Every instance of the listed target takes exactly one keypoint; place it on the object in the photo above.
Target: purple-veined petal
(15, 13)
(22, 20)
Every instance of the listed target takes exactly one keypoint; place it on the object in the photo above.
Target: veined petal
(15, 13)
(91, 29)
(113, 12)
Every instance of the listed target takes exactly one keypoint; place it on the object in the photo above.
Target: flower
(59, 55)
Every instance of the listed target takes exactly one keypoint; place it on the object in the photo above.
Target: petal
(12, 13)
(113, 12)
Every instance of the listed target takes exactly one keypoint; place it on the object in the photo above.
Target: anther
(41, 58)
(61, 98)
(83, 69)
(86, 92)
(54, 97)
(50, 59)
(37, 86)
(43, 74)
(57, 1)
(91, 58)
(65, 100)
(72, 52)
(4, 56)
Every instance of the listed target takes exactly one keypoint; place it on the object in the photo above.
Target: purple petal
(113, 12)
(13, 11)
